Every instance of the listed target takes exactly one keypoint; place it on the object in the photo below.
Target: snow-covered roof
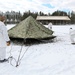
(52, 18)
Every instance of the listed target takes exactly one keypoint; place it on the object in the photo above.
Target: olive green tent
(30, 29)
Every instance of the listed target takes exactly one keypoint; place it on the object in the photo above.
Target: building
(56, 20)
(12, 17)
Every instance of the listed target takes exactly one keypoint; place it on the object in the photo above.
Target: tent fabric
(30, 28)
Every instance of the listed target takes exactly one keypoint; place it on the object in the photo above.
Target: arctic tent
(30, 29)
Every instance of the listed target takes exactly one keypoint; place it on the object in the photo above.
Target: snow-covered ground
(56, 58)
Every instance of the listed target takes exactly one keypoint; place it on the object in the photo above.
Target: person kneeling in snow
(4, 39)
(72, 35)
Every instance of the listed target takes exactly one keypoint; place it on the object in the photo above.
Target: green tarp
(30, 28)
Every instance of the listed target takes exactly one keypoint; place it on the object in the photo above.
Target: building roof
(52, 18)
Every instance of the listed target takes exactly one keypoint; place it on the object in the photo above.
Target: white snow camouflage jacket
(3, 35)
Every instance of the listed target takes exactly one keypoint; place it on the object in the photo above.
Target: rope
(18, 61)
(24, 53)
(10, 58)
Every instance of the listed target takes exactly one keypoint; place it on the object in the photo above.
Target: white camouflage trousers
(2, 53)
(72, 37)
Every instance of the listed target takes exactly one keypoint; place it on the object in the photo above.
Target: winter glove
(8, 43)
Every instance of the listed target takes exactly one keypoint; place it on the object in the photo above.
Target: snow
(56, 58)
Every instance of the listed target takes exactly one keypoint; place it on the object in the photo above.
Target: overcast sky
(45, 6)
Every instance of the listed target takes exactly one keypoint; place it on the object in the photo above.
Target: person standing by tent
(72, 35)
(50, 26)
(4, 40)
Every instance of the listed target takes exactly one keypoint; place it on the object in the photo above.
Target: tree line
(71, 15)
